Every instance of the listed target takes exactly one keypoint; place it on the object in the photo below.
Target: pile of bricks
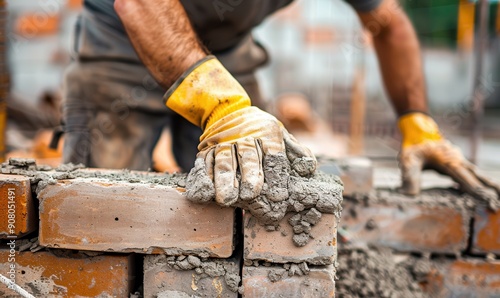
(89, 236)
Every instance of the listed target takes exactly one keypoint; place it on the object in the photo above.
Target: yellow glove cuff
(205, 93)
(418, 128)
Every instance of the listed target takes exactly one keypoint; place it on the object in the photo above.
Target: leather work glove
(238, 140)
(423, 147)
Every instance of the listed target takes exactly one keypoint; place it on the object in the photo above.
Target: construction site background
(317, 49)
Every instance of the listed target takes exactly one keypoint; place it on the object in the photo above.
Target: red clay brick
(278, 247)
(486, 238)
(85, 214)
(44, 274)
(318, 283)
(161, 280)
(464, 278)
(407, 226)
(26, 219)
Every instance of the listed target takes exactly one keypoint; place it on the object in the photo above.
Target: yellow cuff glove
(424, 147)
(239, 141)
(206, 93)
(418, 128)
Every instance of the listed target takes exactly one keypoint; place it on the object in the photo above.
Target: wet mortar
(42, 175)
(203, 268)
(377, 273)
(280, 271)
(284, 191)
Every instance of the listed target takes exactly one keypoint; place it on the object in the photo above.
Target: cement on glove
(284, 191)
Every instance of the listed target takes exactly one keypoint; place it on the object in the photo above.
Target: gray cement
(42, 175)
(376, 273)
(284, 190)
(450, 197)
(278, 271)
(203, 267)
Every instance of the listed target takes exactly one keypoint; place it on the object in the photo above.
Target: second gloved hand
(424, 147)
(244, 151)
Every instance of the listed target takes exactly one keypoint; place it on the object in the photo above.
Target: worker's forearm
(162, 36)
(399, 56)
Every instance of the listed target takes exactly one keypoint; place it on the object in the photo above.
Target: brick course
(44, 274)
(464, 278)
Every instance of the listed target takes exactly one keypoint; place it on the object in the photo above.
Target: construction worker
(129, 52)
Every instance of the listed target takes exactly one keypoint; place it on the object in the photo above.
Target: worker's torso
(220, 24)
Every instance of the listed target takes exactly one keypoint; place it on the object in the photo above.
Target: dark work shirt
(220, 24)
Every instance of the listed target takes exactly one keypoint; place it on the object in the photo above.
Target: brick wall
(107, 233)
(99, 235)
(455, 235)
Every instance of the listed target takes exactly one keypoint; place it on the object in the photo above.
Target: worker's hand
(423, 147)
(242, 148)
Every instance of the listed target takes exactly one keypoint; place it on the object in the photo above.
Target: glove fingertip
(489, 196)
(227, 197)
(411, 171)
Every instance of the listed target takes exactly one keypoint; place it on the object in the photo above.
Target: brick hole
(194, 229)
(116, 218)
(23, 272)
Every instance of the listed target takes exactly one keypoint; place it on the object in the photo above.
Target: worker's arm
(240, 143)
(398, 52)
(422, 146)
(162, 36)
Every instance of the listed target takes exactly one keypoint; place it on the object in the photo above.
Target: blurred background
(322, 81)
